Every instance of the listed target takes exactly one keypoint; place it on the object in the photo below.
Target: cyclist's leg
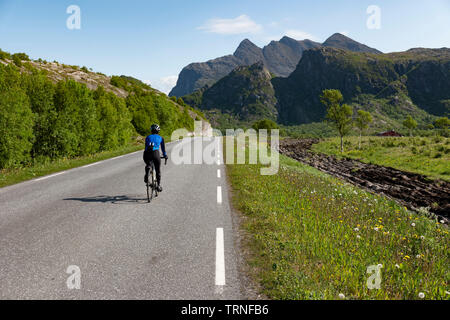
(147, 160)
(157, 162)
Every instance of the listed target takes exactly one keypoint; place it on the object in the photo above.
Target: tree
(410, 124)
(362, 122)
(442, 123)
(16, 128)
(339, 115)
(265, 124)
(40, 91)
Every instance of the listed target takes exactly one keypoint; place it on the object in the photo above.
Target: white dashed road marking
(219, 195)
(220, 258)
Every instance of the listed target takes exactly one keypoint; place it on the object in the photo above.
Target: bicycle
(152, 188)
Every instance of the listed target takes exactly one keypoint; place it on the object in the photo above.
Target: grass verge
(312, 236)
(429, 156)
(13, 176)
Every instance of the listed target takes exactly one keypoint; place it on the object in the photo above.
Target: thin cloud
(240, 25)
(301, 35)
(164, 84)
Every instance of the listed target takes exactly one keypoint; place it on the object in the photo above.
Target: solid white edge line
(219, 195)
(77, 168)
(93, 164)
(220, 258)
(51, 176)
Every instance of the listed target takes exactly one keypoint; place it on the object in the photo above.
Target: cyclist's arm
(147, 142)
(163, 148)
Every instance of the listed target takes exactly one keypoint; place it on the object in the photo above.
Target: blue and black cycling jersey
(155, 142)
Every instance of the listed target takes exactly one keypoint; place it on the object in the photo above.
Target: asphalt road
(96, 218)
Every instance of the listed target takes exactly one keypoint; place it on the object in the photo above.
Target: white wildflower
(341, 296)
(421, 295)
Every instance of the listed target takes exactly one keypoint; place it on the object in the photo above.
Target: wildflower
(358, 237)
(422, 237)
(418, 256)
(356, 229)
(341, 296)
(442, 221)
(406, 257)
(397, 266)
(421, 295)
(376, 229)
(413, 224)
(380, 266)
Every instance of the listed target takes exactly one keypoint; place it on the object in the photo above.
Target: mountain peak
(246, 44)
(338, 36)
(248, 52)
(341, 41)
(287, 39)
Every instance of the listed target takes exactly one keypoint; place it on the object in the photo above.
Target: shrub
(22, 56)
(4, 55)
(17, 61)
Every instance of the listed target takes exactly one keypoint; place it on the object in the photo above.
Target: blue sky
(154, 40)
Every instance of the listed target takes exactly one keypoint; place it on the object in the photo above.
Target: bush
(17, 61)
(22, 56)
(4, 55)
(265, 124)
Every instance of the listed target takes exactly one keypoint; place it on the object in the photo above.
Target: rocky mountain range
(391, 86)
(279, 57)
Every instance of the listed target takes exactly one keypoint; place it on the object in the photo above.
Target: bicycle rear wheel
(149, 191)
(154, 182)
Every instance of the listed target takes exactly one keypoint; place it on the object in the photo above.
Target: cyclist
(153, 143)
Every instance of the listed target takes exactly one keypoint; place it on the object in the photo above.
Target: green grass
(13, 176)
(302, 235)
(429, 156)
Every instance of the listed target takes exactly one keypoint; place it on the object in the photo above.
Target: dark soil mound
(412, 190)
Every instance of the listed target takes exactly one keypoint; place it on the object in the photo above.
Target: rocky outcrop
(246, 94)
(420, 76)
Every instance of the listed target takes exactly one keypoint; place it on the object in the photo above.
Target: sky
(153, 40)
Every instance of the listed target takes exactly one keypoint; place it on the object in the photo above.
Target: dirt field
(412, 190)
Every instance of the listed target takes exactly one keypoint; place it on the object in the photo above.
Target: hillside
(390, 86)
(396, 84)
(73, 112)
(279, 57)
